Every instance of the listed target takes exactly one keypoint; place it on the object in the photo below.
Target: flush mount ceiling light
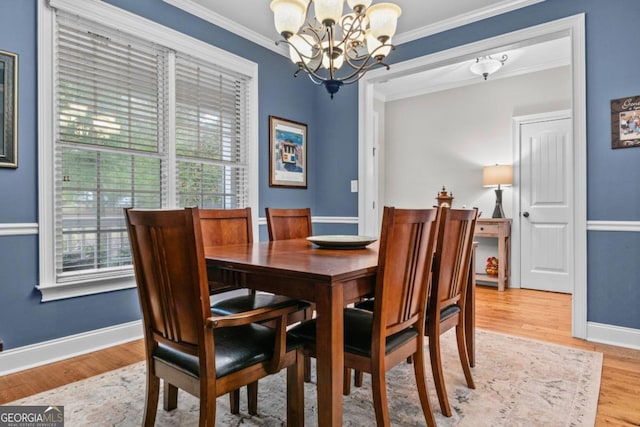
(335, 48)
(487, 65)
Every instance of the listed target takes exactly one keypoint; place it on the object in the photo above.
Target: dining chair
(284, 224)
(292, 223)
(186, 346)
(446, 307)
(376, 341)
(229, 227)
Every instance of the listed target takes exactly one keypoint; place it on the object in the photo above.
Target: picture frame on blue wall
(287, 153)
(625, 122)
(8, 109)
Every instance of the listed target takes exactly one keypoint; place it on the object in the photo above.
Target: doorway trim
(572, 27)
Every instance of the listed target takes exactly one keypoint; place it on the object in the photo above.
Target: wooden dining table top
(296, 259)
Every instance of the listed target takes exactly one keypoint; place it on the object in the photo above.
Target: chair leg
(234, 401)
(170, 399)
(464, 355)
(359, 376)
(436, 368)
(295, 392)
(151, 399)
(379, 389)
(308, 314)
(307, 369)
(252, 398)
(346, 382)
(421, 382)
(207, 410)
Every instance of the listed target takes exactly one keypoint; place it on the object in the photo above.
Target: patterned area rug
(519, 382)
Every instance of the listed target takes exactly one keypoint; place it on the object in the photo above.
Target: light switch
(354, 186)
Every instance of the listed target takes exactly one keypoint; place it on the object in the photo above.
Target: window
(136, 121)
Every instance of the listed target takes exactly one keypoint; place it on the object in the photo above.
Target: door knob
(525, 214)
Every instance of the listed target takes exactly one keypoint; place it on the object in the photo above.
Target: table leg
(502, 263)
(329, 355)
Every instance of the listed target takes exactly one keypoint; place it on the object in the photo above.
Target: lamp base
(497, 211)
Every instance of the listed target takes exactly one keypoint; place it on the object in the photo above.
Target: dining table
(328, 277)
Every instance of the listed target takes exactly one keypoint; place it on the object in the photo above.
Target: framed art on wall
(287, 153)
(8, 110)
(625, 122)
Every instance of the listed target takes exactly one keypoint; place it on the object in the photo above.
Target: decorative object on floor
(486, 65)
(492, 266)
(497, 175)
(287, 153)
(444, 198)
(359, 40)
(625, 122)
(8, 110)
(533, 381)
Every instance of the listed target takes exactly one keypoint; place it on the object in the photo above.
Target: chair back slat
(169, 263)
(453, 255)
(226, 226)
(284, 224)
(407, 242)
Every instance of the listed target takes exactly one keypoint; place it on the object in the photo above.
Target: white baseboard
(42, 353)
(613, 335)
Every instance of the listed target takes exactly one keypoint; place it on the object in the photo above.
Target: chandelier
(332, 48)
(487, 65)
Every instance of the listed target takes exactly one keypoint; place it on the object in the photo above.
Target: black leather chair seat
(444, 314)
(230, 356)
(358, 326)
(242, 303)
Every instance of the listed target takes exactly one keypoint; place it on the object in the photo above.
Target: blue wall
(613, 175)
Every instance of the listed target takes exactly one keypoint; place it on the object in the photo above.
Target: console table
(499, 228)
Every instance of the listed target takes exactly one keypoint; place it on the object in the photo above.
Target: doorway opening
(571, 28)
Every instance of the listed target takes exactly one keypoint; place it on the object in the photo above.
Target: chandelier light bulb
(383, 19)
(328, 12)
(288, 16)
(300, 48)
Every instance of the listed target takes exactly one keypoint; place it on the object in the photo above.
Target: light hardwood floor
(538, 315)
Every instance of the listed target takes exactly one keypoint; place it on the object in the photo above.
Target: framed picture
(287, 153)
(625, 122)
(8, 110)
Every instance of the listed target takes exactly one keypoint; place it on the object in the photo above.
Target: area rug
(519, 382)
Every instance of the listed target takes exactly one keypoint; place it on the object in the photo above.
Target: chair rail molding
(18, 229)
(613, 225)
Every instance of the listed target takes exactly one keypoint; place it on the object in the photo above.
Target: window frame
(97, 11)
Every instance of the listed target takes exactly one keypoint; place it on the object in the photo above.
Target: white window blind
(210, 135)
(115, 145)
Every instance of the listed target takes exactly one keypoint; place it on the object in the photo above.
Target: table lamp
(497, 175)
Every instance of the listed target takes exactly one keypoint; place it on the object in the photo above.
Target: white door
(546, 207)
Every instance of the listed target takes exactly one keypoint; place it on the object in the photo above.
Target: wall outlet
(354, 186)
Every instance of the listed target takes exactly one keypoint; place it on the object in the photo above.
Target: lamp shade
(497, 175)
(328, 10)
(383, 19)
(288, 15)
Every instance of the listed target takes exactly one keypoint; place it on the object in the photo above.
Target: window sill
(58, 291)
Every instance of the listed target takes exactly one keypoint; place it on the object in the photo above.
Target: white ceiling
(253, 20)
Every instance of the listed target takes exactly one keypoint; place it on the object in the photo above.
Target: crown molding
(438, 27)
(463, 19)
(229, 25)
